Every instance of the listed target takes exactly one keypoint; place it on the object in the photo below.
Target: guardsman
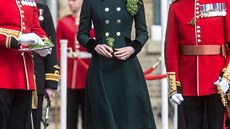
(197, 59)
(19, 25)
(46, 68)
(67, 28)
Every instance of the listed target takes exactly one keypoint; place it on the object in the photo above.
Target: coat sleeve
(51, 63)
(85, 27)
(140, 25)
(172, 52)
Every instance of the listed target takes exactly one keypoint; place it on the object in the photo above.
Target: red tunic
(197, 73)
(16, 69)
(76, 72)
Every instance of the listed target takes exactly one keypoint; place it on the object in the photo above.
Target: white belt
(80, 54)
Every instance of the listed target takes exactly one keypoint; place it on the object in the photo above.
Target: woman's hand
(104, 50)
(124, 52)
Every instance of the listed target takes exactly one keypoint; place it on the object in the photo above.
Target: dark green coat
(116, 91)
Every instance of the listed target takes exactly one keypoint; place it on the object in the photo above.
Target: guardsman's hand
(49, 94)
(177, 98)
(104, 50)
(124, 52)
(43, 52)
(224, 86)
(30, 39)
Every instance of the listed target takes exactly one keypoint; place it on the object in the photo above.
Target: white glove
(30, 38)
(43, 52)
(177, 98)
(224, 86)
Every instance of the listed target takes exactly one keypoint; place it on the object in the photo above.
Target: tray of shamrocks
(47, 44)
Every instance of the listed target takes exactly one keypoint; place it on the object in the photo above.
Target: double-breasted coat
(116, 91)
(16, 67)
(196, 53)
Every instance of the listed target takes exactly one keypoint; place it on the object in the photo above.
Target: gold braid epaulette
(53, 76)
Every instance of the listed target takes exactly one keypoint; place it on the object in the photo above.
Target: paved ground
(148, 57)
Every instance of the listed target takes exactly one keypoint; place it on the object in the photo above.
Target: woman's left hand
(124, 52)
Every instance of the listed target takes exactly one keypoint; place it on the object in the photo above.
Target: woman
(116, 91)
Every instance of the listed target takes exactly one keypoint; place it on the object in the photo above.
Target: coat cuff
(52, 78)
(12, 43)
(174, 86)
(90, 45)
(51, 84)
(137, 46)
(12, 37)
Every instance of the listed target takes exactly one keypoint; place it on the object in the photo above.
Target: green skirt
(117, 95)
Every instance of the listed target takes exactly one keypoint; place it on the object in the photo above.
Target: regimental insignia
(212, 10)
(192, 22)
(56, 67)
(40, 14)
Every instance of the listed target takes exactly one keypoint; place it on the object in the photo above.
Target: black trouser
(15, 109)
(75, 102)
(196, 107)
(181, 120)
(37, 113)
